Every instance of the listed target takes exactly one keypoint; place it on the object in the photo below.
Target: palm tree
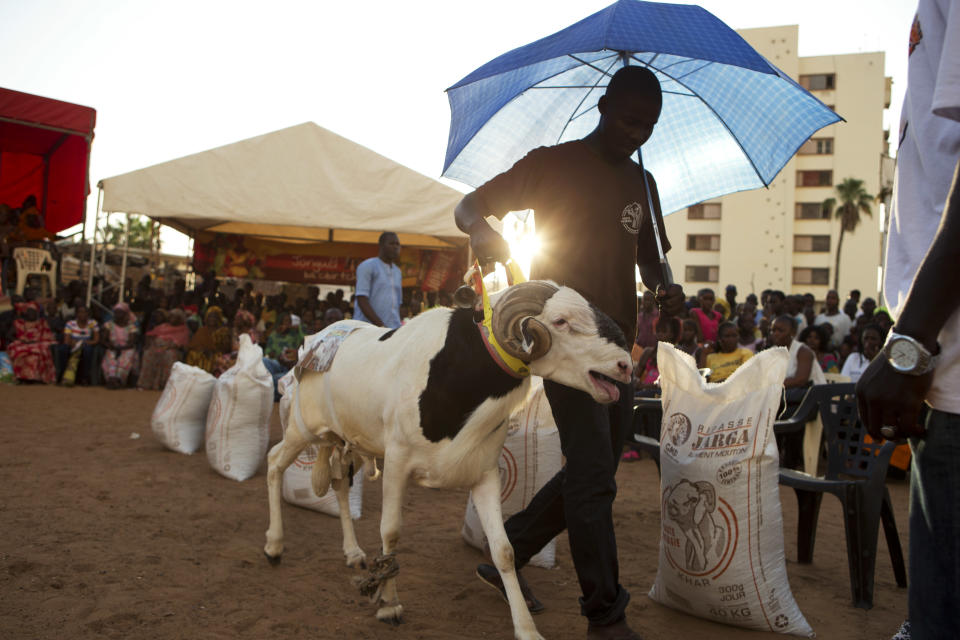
(851, 200)
(142, 233)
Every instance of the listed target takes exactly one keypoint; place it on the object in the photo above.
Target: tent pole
(86, 192)
(103, 255)
(93, 244)
(123, 263)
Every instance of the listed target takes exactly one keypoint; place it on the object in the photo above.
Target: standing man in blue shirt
(379, 285)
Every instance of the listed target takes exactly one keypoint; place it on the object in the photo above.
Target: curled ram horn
(514, 327)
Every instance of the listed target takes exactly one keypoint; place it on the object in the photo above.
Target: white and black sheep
(430, 400)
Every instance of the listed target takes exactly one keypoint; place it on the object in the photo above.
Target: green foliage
(140, 233)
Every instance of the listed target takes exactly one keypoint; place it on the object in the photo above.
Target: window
(810, 211)
(703, 274)
(816, 244)
(814, 178)
(705, 211)
(807, 275)
(817, 146)
(703, 242)
(819, 81)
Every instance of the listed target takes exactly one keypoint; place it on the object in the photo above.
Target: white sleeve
(848, 364)
(946, 94)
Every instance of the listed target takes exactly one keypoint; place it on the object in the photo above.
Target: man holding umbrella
(594, 224)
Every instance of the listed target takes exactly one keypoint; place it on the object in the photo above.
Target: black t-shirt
(591, 220)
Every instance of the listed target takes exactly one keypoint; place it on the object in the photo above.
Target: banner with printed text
(333, 263)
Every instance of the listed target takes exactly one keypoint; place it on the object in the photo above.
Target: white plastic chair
(32, 261)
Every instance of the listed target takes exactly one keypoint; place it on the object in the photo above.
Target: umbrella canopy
(730, 120)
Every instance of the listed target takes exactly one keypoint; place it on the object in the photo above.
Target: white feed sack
(530, 457)
(298, 488)
(238, 420)
(297, 484)
(180, 418)
(721, 543)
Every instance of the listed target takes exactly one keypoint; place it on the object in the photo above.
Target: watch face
(903, 355)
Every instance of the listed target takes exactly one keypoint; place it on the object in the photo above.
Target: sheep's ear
(513, 307)
(526, 335)
(535, 338)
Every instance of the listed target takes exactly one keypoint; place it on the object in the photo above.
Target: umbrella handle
(666, 274)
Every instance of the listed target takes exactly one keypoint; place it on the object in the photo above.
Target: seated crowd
(135, 342)
(723, 334)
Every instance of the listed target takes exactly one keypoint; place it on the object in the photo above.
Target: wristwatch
(906, 355)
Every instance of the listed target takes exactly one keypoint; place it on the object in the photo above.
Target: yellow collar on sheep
(512, 365)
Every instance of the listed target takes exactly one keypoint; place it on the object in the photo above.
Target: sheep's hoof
(357, 559)
(273, 560)
(392, 615)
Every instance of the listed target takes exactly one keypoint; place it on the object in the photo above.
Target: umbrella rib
(693, 94)
(582, 62)
(591, 65)
(582, 99)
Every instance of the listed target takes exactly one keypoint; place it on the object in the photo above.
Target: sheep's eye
(559, 322)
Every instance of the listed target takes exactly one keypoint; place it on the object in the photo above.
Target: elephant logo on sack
(700, 531)
(679, 429)
(631, 216)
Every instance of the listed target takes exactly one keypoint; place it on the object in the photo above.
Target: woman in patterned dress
(30, 349)
(120, 339)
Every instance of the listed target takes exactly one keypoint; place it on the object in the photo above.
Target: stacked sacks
(179, 419)
(297, 484)
(530, 457)
(238, 420)
(721, 542)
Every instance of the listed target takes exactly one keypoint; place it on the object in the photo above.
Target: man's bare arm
(888, 398)
(364, 303)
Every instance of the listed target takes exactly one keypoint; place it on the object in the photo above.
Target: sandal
(489, 575)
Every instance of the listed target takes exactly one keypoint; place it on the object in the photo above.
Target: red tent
(45, 152)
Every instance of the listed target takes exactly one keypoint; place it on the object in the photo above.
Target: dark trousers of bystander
(934, 586)
(580, 498)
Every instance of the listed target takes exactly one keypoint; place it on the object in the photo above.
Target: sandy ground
(107, 536)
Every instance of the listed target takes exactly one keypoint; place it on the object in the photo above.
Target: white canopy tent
(299, 183)
(303, 184)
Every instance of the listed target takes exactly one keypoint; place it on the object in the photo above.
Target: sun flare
(520, 233)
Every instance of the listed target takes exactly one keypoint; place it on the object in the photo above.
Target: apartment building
(777, 238)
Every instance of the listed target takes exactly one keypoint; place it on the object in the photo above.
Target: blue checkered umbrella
(730, 121)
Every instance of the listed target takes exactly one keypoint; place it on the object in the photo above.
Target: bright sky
(176, 77)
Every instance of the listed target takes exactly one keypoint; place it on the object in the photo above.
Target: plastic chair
(32, 261)
(647, 418)
(805, 419)
(856, 474)
(834, 378)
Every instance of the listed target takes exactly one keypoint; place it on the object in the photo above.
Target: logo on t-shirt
(916, 34)
(630, 218)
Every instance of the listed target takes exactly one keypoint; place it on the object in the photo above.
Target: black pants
(580, 498)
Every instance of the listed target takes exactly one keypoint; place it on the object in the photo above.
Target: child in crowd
(706, 316)
(646, 371)
(817, 338)
(725, 355)
(870, 342)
